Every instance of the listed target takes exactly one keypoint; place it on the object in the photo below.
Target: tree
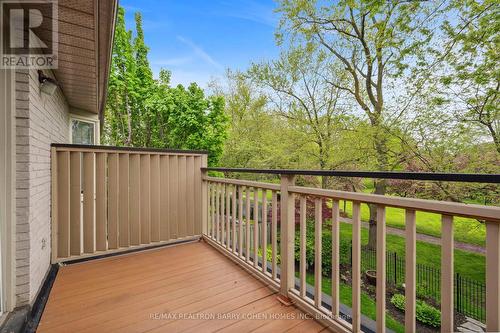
(144, 112)
(470, 74)
(305, 99)
(373, 41)
(121, 87)
(144, 119)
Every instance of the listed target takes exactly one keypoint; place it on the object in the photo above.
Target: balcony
(201, 266)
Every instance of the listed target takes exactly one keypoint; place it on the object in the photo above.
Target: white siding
(40, 121)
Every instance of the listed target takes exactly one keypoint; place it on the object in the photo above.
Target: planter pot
(371, 277)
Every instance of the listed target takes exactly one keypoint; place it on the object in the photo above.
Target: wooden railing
(232, 224)
(235, 205)
(109, 199)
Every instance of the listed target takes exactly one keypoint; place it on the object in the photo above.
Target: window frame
(84, 120)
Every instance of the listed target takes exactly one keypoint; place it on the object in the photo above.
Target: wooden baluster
(303, 237)
(492, 276)
(274, 232)
(410, 271)
(228, 216)
(264, 231)
(287, 230)
(335, 258)
(318, 231)
(240, 220)
(356, 267)
(233, 217)
(381, 268)
(447, 247)
(222, 215)
(256, 228)
(217, 211)
(247, 224)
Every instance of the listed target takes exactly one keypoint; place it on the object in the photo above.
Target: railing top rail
(66, 146)
(430, 176)
(490, 213)
(248, 183)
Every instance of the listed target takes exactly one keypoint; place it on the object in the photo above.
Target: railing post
(287, 229)
(492, 276)
(204, 196)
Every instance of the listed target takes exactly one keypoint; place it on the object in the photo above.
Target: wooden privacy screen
(107, 199)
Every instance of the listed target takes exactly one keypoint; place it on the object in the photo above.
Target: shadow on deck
(184, 288)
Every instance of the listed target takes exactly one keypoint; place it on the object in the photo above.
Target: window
(83, 132)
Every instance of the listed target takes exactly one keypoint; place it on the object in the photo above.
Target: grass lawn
(468, 264)
(465, 230)
(368, 306)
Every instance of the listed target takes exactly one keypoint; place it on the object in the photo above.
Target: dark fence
(470, 295)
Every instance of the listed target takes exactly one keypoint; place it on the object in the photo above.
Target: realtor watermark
(29, 34)
(242, 316)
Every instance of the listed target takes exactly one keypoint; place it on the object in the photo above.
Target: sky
(197, 40)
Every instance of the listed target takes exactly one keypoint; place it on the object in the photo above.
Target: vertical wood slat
(240, 220)
(381, 268)
(222, 226)
(182, 193)
(75, 203)
(303, 237)
(447, 309)
(318, 228)
(101, 202)
(53, 206)
(274, 232)
(200, 194)
(213, 190)
(165, 190)
(287, 219)
(63, 204)
(233, 217)
(264, 231)
(135, 199)
(191, 208)
(492, 276)
(356, 267)
(410, 271)
(145, 199)
(173, 196)
(217, 210)
(335, 258)
(228, 219)
(155, 198)
(123, 200)
(88, 202)
(247, 224)
(113, 208)
(256, 227)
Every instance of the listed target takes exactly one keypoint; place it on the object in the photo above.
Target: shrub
(269, 254)
(426, 314)
(326, 253)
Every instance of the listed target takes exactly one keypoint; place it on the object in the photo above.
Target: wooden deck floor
(184, 288)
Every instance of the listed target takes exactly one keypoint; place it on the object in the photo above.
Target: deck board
(148, 291)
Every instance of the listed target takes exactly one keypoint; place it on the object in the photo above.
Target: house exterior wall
(40, 120)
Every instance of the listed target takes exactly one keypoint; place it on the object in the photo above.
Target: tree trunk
(128, 142)
(380, 185)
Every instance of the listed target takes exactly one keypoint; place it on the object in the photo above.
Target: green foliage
(426, 314)
(269, 255)
(326, 248)
(145, 112)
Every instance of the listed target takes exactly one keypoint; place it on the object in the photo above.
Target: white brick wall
(40, 121)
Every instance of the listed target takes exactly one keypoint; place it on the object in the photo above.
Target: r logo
(29, 34)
